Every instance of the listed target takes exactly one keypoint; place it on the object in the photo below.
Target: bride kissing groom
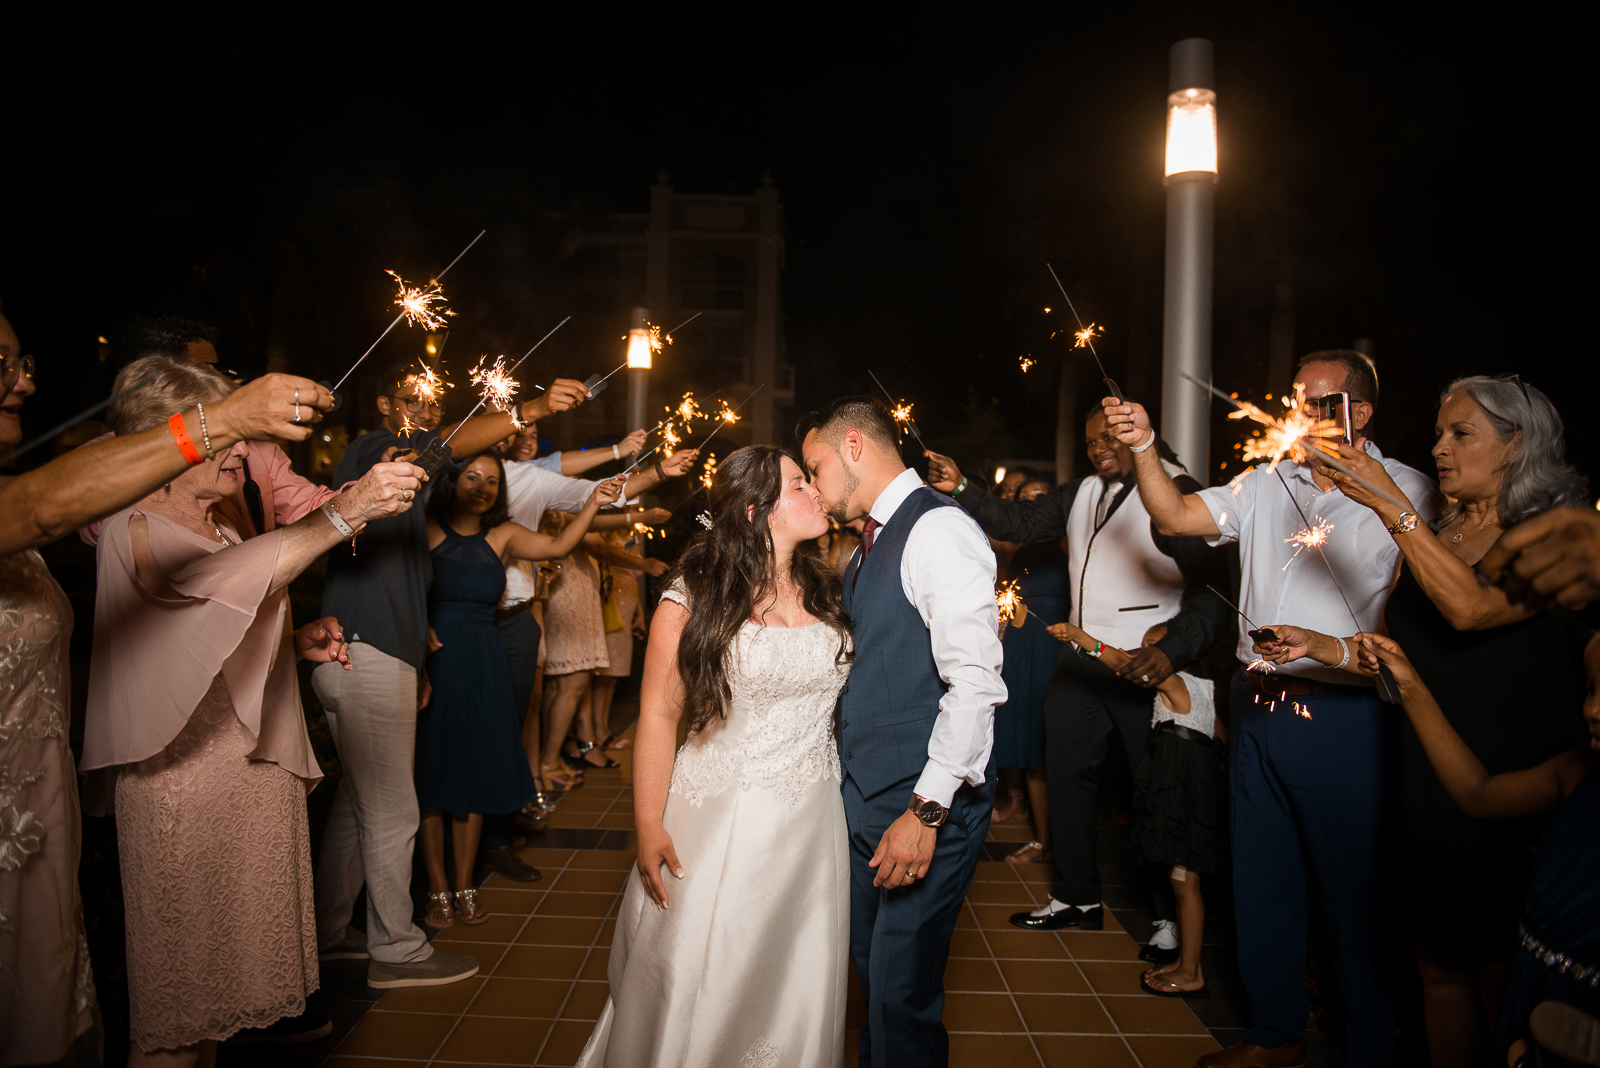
(769, 850)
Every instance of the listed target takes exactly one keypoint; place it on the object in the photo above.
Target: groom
(916, 721)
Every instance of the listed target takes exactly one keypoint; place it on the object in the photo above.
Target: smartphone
(1336, 406)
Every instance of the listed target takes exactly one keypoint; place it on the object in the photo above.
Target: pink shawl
(156, 656)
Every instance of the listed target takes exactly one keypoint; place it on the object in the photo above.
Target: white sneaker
(1166, 936)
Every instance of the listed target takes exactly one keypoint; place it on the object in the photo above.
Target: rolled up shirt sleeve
(948, 574)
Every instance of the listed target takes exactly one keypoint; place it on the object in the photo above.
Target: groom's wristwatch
(931, 813)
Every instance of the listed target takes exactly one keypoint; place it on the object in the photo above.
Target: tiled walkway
(1016, 998)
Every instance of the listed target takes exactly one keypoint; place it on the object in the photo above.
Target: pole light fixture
(639, 348)
(639, 352)
(1191, 179)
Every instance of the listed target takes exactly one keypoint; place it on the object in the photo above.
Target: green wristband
(957, 491)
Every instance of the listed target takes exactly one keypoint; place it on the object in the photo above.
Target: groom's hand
(904, 852)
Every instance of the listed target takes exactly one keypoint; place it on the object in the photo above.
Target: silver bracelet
(1343, 648)
(205, 435)
(1151, 440)
(345, 529)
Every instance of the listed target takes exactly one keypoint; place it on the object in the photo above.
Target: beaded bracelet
(205, 435)
(1151, 440)
(180, 434)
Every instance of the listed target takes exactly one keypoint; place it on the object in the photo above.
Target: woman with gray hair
(194, 723)
(1512, 684)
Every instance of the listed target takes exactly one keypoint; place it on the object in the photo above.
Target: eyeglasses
(1514, 377)
(14, 367)
(415, 405)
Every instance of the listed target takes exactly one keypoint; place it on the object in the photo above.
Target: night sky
(1410, 173)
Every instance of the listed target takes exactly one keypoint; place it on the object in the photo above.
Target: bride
(730, 947)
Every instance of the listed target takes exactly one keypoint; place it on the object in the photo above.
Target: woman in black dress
(1511, 685)
(470, 758)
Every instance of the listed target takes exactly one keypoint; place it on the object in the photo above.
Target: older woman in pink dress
(194, 711)
(47, 996)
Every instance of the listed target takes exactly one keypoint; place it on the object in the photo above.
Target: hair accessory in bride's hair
(704, 519)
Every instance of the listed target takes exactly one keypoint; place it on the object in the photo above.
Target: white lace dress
(747, 969)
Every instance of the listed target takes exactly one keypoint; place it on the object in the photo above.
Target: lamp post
(1191, 179)
(638, 369)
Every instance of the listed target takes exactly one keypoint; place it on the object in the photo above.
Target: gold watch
(1408, 521)
(930, 812)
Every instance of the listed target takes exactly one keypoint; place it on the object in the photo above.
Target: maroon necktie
(868, 529)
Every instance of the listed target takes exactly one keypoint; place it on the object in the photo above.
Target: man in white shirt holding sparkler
(1308, 757)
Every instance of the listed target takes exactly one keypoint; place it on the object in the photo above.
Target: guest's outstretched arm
(1016, 521)
(1529, 792)
(1174, 511)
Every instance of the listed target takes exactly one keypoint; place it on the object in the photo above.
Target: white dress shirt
(1280, 585)
(947, 572)
(532, 489)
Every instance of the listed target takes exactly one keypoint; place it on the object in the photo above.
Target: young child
(1559, 956)
(1178, 790)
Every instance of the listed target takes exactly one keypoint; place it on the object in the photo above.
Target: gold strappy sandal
(439, 916)
(472, 913)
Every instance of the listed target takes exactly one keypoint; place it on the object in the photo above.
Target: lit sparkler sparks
(496, 386)
(1261, 667)
(1026, 362)
(708, 474)
(687, 410)
(1310, 537)
(1008, 600)
(645, 530)
(430, 386)
(1086, 336)
(417, 303)
(725, 413)
(669, 435)
(901, 413)
(1299, 429)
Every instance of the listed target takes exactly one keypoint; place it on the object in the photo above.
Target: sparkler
(1085, 336)
(497, 387)
(901, 413)
(417, 304)
(1008, 600)
(688, 409)
(708, 474)
(1260, 634)
(1309, 538)
(430, 387)
(725, 413)
(1026, 362)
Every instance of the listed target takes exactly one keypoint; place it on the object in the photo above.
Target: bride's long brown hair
(726, 568)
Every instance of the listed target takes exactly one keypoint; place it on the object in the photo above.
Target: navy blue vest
(888, 707)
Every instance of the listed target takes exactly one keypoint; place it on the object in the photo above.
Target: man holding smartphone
(1308, 784)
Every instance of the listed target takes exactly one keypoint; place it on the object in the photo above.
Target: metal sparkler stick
(1258, 633)
(911, 424)
(685, 323)
(485, 398)
(1087, 336)
(402, 314)
(720, 417)
(49, 435)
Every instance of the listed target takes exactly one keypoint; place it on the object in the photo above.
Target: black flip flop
(1193, 995)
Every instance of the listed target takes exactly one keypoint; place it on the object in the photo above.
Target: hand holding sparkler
(943, 474)
(632, 443)
(1127, 421)
(1380, 653)
(1367, 482)
(679, 462)
(285, 407)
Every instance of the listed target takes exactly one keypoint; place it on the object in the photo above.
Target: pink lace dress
(46, 989)
(574, 630)
(194, 707)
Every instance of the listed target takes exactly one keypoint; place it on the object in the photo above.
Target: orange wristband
(180, 434)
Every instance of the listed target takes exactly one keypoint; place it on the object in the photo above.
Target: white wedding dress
(747, 968)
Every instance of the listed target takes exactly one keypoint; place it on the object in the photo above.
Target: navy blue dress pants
(900, 939)
(1310, 787)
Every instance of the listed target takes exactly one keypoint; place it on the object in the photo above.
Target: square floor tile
(969, 942)
(991, 917)
(597, 965)
(1086, 1051)
(592, 880)
(339, 1060)
(616, 821)
(1014, 892)
(1099, 945)
(1024, 944)
(1071, 1013)
(548, 858)
(1107, 977)
(970, 974)
(566, 1041)
(450, 999)
(557, 903)
(396, 1034)
(608, 859)
(980, 1012)
(527, 998)
(559, 931)
(1158, 1052)
(1144, 1014)
(480, 1039)
(585, 1001)
(986, 1051)
(510, 900)
(541, 962)
(1043, 977)
(995, 870)
(500, 928)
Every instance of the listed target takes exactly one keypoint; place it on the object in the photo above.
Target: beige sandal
(1029, 853)
(472, 913)
(439, 916)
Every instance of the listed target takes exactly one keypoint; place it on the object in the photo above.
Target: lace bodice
(778, 733)
(35, 624)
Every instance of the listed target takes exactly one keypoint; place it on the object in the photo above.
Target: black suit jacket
(1202, 615)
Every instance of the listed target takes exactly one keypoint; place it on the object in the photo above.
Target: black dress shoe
(1156, 955)
(1090, 919)
(502, 861)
